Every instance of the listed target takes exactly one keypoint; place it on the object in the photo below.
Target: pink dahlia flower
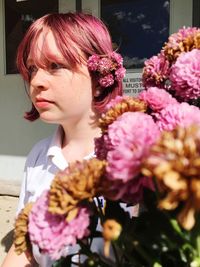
(175, 115)
(107, 80)
(156, 98)
(185, 75)
(128, 142)
(155, 71)
(52, 233)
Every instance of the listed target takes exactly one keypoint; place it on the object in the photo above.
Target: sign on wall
(132, 84)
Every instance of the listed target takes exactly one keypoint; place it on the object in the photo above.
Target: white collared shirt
(43, 162)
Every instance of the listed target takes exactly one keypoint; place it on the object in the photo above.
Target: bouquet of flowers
(141, 194)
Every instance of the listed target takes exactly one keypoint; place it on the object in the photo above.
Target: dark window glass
(138, 27)
(196, 13)
(18, 17)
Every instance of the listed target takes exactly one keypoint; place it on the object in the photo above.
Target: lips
(43, 103)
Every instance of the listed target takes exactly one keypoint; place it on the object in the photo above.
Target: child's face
(59, 94)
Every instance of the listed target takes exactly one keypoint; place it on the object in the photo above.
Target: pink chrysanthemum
(117, 58)
(130, 192)
(175, 115)
(176, 38)
(105, 65)
(156, 98)
(155, 71)
(93, 62)
(52, 233)
(185, 75)
(107, 80)
(128, 141)
(114, 101)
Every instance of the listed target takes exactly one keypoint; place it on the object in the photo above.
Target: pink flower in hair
(156, 98)
(93, 62)
(105, 65)
(107, 80)
(185, 75)
(108, 69)
(117, 58)
(52, 233)
(120, 73)
(180, 114)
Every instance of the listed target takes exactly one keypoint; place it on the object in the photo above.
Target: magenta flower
(93, 62)
(185, 75)
(156, 98)
(175, 115)
(128, 142)
(105, 65)
(117, 58)
(107, 80)
(155, 71)
(120, 73)
(52, 233)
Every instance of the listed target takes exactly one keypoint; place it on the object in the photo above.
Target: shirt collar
(55, 150)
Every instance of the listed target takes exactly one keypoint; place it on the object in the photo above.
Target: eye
(56, 66)
(32, 69)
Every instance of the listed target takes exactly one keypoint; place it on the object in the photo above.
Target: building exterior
(139, 26)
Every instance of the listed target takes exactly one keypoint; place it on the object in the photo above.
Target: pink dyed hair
(91, 37)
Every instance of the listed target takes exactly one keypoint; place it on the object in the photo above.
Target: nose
(39, 79)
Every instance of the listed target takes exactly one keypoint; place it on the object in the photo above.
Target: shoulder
(39, 151)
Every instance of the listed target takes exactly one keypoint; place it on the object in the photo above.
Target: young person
(53, 59)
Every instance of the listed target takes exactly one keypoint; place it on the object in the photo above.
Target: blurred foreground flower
(21, 238)
(79, 182)
(175, 163)
(52, 233)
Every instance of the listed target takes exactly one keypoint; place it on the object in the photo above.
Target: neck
(78, 140)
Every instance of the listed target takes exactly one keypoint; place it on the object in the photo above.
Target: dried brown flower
(21, 237)
(79, 182)
(127, 104)
(190, 42)
(175, 163)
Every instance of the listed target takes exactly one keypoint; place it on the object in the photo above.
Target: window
(138, 27)
(18, 17)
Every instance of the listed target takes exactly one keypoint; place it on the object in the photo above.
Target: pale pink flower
(129, 140)
(52, 233)
(185, 75)
(175, 115)
(156, 98)
(155, 71)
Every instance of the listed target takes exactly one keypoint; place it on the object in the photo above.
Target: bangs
(42, 57)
